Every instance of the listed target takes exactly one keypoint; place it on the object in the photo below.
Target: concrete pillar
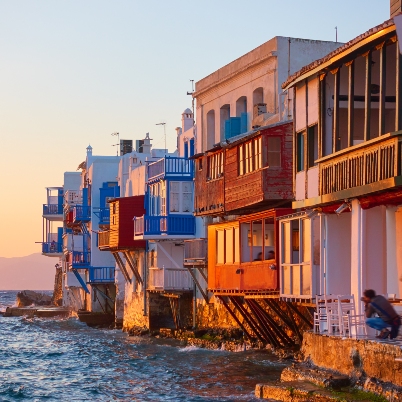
(119, 301)
(357, 279)
(391, 254)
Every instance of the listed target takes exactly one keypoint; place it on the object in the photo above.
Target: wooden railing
(101, 274)
(167, 225)
(378, 160)
(169, 279)
(171, 165)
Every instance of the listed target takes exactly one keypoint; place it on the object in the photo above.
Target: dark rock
(29, 297)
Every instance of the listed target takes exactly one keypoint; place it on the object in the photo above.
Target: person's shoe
(383, 334)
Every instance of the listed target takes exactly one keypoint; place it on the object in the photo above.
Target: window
(157, 199)
(258, 242)
(312, 145)
(215, 166)
(181, 197)
(227, 246)
(300, 151)
(200, 164)
(274, 151)
(250, 156)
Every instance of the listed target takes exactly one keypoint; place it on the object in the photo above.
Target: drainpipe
(145, 278)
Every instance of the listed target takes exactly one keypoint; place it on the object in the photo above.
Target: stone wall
(355, 358)
(134, 310)
(214, 315)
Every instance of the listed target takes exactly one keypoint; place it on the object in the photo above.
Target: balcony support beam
(120, 263)
(133, 266)
(381, 105)
(367, 96)
(351, 102)
(232, 313)
(204, 294)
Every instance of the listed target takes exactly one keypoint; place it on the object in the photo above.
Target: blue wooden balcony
(81, 259)
(81, 213)
(171, 167)
(101, 275)
(53, 211)
(170, 226)
(52, 249)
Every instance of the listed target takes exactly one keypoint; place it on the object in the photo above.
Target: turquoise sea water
(64, 360)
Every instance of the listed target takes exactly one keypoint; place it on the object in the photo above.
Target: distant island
(33, 272)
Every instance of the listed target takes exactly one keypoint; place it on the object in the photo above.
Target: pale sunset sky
(72, 72)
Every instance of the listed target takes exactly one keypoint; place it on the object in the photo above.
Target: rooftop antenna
(336, 34)
(191, 93)
(164, 131)
(118, 140)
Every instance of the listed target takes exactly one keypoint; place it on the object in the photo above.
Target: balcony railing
(378, 160)
(165, 225)
(81, 259)
(81, 213)
(170, 279)
(195, 252)
(171, 166)
(103, 239)
(52, 248)
(104, 216)
(101, 275)
(52, 209)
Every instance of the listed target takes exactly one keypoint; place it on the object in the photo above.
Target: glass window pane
(220, 247)
(306, 244)
(286, 242)
(245, 242)
(269, 240)
(229, 245)
(237, 245)
(257, 240)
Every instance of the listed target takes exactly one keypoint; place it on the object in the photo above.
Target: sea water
(64, 360)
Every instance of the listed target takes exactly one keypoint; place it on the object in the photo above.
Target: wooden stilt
(294, 308)
(248, 319)
(264, 327)
(232, 313)
(204, 295)
(120, 263)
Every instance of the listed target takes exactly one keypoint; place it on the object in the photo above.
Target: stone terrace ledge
(369, 358)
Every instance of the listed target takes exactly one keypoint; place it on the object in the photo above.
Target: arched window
(210, 129)
(224, 116)
(241, 111)
(258, 95)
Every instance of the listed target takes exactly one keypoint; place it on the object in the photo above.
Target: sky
(72, 72)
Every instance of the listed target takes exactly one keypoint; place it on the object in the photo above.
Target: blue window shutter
(235, 123)
(227, 128)
(243, 125)
(192, 147)
(186, 149)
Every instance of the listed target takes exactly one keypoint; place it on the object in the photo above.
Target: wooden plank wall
(208, 193)
(278, 182)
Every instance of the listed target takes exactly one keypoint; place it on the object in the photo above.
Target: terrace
(171, 226)
(171, 167)
(171, 279)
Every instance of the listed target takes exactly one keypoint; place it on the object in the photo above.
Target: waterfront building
(346, 233)
(243, 183)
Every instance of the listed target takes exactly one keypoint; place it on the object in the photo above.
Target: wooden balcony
(80, 259)
(101, 274)
(53, 212)
(366, 168)
(196, 253)
(81, 213)
(171, 226)
(170, 166)
(104, 240)
(170, 279)
(52, 249)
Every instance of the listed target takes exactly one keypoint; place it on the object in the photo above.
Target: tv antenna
(118, 140)
(192, 100)
(336, 34)
(164, 132)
